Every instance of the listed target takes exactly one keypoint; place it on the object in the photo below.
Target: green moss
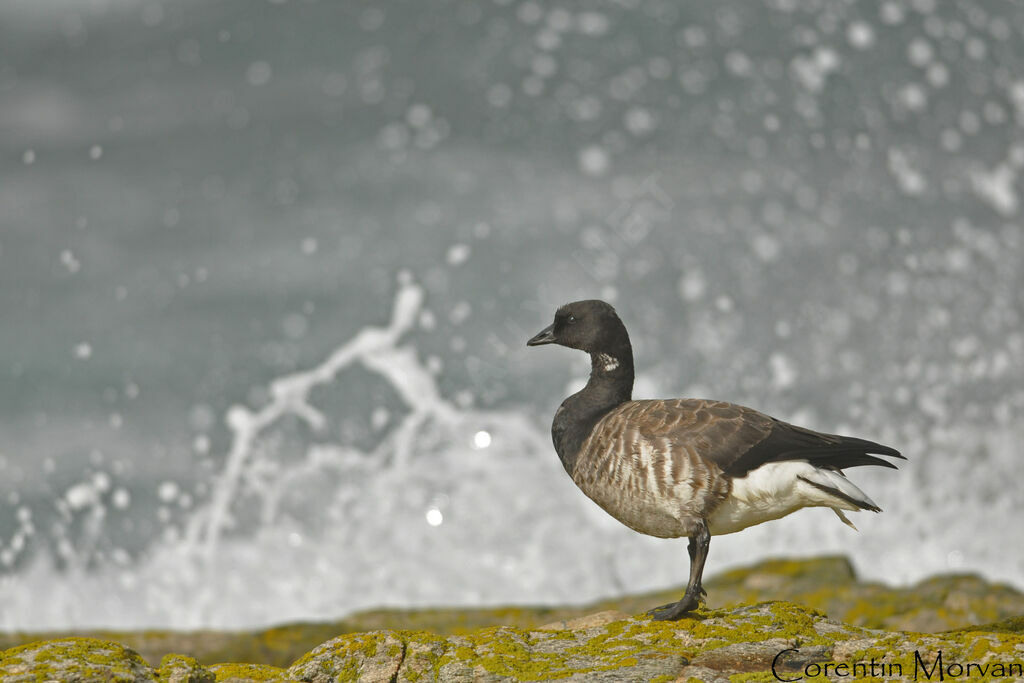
(973, 645)
(248, 672)
(525, 655)
(520, 655)
(176, 665)
(85, 649)
(877, 608)
(746, 625)
(564, 634)
(881, 648)
(1011, 625)
(364, 644)
(835, 568)
(177, 661)
(754, 677)
(82, 657)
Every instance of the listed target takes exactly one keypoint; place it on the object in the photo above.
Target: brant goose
(688, 467)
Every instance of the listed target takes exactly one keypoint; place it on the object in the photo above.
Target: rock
(589, 621)
(713, 645)
(827, 584)
(182, 669)
(369, 657)
(832, 620)
(243, 673)
(74, 660)
(741, 643)
(609, 652)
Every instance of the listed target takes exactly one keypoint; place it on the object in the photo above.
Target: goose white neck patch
(608, 362)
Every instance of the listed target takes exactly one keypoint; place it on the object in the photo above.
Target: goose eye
(571, 319)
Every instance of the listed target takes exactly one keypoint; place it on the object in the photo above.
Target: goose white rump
(777, 489)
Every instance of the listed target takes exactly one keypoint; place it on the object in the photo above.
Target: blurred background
(267, 270)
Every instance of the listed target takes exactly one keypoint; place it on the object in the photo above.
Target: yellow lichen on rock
(239, 673)
(73, 659)
(739, 641)
(747, 643)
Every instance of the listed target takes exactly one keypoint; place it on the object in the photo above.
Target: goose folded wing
(739, 439)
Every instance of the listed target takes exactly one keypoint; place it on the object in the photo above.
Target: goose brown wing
(739, 439)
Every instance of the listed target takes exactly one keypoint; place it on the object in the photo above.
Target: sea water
(267, 272)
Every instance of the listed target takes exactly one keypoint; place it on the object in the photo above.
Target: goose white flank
(686, 466)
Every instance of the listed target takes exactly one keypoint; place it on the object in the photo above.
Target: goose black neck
(611, 375)
(610, 384)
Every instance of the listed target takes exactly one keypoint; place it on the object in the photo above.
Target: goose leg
(698, 550)
(691, 548)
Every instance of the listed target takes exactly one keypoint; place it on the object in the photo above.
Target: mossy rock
(750, 643)
(747, 643)
(827, 584)
(182, 669)
(242, 673)
(73, 660)
(625, 649)
(359, 657)
(1011, 625)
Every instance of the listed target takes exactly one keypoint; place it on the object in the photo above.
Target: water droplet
(530, 12)
(692, 285)
(920, 52)
(418, 116)
(639, 121)
(458, 254)
(482, 439)
(67, 258)
(594, 161)
(258, 73)
(80, 495)
(167, 491)
(434, 517)
(201, 444)
(121, 499)
(592, 23)
(861, 35)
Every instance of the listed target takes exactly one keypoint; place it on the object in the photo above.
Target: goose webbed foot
(677, 610)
